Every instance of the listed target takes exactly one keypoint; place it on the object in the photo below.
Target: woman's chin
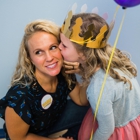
(55, 72)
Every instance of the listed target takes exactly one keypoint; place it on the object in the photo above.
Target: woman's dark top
(35, 106)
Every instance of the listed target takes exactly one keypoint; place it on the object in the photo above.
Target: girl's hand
(71, 67)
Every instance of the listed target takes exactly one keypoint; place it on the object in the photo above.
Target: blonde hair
(100, 57)
(24, 68)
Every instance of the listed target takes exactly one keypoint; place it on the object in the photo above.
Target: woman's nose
(49, 57)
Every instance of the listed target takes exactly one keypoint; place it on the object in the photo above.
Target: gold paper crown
(87, 40)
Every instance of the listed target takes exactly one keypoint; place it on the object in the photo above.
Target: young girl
(85, 41)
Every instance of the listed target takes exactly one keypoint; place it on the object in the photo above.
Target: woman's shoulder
(18, 97)
(20, 91)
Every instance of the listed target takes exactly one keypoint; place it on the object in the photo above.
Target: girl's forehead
(64, 39)
(62, 36)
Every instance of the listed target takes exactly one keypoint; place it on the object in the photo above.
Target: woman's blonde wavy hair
(24, 68)
(100, 57)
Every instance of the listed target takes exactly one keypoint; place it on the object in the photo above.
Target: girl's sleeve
(105, 116)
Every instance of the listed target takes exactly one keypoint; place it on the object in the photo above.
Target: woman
(85, 41)
(36, 105)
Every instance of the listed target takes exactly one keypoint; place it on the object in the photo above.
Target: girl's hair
(24, 72)
(100, 57)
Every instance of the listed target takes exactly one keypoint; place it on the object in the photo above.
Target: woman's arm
(78, 95)
(18, 130)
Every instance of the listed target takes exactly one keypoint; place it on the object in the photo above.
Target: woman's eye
(54, 47)
(38, 52)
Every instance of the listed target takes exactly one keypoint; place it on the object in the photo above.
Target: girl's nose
(60, 46)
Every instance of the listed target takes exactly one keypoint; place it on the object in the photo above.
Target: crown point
(95, 10)
(74, 6)
(83, 8)
(105, 16)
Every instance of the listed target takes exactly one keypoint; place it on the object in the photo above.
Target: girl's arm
(105, 116)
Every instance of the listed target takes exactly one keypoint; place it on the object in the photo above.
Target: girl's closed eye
(64, 45)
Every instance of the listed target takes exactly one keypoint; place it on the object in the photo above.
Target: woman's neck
(48, 83)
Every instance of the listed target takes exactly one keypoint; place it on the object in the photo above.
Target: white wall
(15, 14)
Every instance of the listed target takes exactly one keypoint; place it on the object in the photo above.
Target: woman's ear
(31, 61)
